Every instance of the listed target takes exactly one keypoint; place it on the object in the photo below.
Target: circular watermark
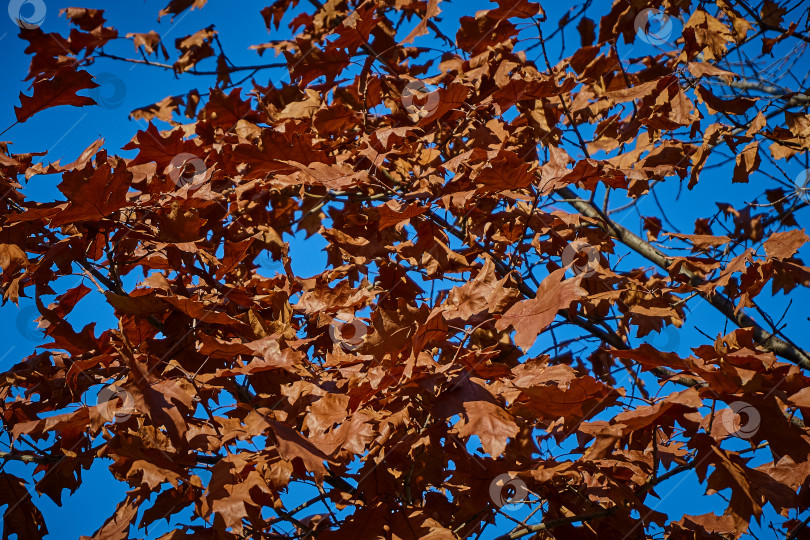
(667, 340)
(115, 404)
(801, 185)
(653, 26)
(110, 92)
(732, 419)
(350, 335)
(266, 262)
(420, 99)
(187, 169)
(508, 491)
(27, 14)
(27, 324)
(572, 256)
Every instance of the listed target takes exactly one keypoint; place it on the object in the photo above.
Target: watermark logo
(801, 185)
(27, 14)
(420, 99)
(267, 263)
(27, 324)
(573, 256)
(653, 26)
(350, 335)
(740, 419)
(115, 404)
(187, 169)
(110, 92)
(667, 340)
(507, 491)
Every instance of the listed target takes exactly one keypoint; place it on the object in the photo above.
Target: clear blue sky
(65, 131)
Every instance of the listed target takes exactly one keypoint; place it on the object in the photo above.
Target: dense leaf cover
(478, 340)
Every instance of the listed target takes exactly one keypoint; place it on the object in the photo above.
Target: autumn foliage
(479, 342)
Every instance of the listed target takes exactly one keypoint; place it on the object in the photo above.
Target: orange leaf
(530, 317)
(782, 245)
(59, 90)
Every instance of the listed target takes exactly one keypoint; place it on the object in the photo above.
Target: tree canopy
(562, 274)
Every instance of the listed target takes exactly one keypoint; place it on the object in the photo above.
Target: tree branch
(161, 65)
(26, 458)
(768, 341)
(526, 530)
